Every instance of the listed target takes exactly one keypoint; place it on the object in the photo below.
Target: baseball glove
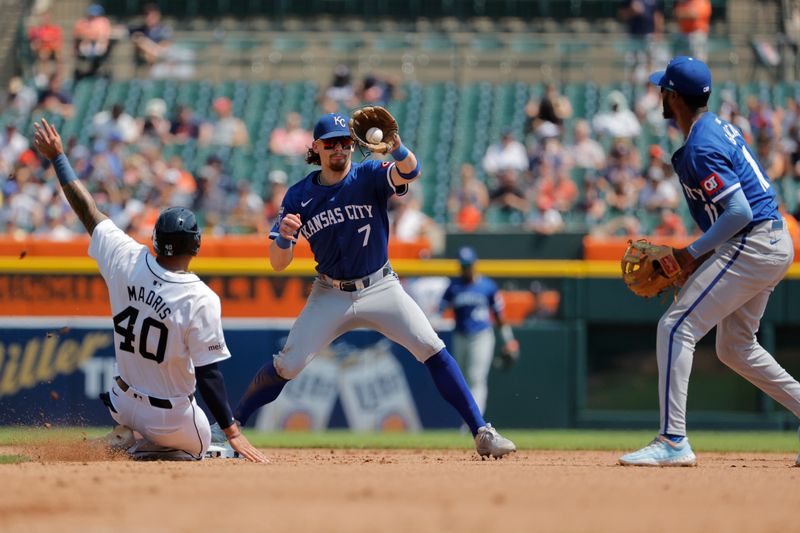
(509, 354)
(648, 269)
(373, 117)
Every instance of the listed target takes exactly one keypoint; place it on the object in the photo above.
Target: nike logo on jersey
(303, 204)
(774, 241)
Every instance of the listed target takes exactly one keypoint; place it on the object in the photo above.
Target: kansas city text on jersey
(334, 216)
(138, 294)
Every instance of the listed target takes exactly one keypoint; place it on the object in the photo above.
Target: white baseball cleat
(661, 452)
(118, 439)
(491, 443)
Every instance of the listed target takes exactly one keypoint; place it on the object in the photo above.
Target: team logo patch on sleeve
(712, 184)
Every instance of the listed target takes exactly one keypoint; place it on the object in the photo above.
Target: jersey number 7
(129, 315)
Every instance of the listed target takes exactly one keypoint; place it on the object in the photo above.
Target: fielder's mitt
(509, 354)
(649, 269)
(373, 117)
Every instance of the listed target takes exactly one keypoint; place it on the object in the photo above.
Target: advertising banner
(52, 369)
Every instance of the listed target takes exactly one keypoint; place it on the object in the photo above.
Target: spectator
(659, 190)
(468, 200)
(550, 151)
(185, 184)
(55, 99)
(410, 224)
(619, 122)
(227, 130)
(760, 116)
(184, 127)
(278, 180)
(621, 180)
(671, 225)
(509, 153)
(771, 155)
(694, 17)
(291, 140)
(341, 90)
(12, 146)
(585, 152)
(376, 91)
(646, 30)
(214, 186)
(47, 42)
(649, 109)
(115, 122)
(554, 190)
(247, 213)
(92, 41)
(508, 197)
(155, 125)
(552, 108)
(151, 39)
(21, 98)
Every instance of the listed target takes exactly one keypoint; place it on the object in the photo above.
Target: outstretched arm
(48, 142)
(211, 385)
(406, 168)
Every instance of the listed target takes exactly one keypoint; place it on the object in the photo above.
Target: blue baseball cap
(684, 75)
(467, 256)
(332, 125)
(95, 10)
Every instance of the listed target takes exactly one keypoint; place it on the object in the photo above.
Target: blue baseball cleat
(661, 452)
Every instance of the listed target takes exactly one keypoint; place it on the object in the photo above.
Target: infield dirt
(391, 491)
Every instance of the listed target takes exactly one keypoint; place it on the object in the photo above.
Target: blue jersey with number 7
(347, 224)
(714, 162)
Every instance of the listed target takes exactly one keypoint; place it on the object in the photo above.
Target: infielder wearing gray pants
(474, 353)
(743, 253)
(729, 291)
(331, 312)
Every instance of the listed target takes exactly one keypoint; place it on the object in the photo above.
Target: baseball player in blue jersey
(474, 298)
(748, 249)
(342, 211)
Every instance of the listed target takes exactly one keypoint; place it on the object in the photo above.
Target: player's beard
(338, 165)
(667, 112)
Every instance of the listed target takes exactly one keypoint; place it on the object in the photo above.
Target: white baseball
(374, 135)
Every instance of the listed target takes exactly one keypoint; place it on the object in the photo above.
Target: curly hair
(312, 157)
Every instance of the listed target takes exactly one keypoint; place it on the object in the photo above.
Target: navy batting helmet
(176, 232)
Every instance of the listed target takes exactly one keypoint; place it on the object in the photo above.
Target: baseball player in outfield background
(167, 328)
(342, 211)
(731, 199)
(475, 301)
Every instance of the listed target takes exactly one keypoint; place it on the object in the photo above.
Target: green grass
(707, 441)
(11, 459)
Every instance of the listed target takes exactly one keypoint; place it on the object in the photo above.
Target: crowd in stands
(559, 172)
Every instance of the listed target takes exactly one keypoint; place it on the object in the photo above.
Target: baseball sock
(453, 388)
(265, 387)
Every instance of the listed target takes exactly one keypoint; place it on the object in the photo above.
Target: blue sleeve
(714, 172)
(737, 215)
